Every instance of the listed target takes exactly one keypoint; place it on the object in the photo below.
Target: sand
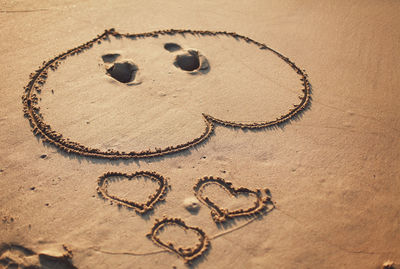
(332, 172)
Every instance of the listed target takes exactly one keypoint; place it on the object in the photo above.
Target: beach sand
(332, 170)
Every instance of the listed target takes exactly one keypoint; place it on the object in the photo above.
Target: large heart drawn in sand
(220, 214)
(157, 196)
(150, 115)
(187, 253)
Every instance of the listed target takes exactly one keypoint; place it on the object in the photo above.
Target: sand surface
(333, 173)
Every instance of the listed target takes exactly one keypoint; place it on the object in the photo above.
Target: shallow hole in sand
(188, 61)
(123, 71)
(172, 47)
(110, 57)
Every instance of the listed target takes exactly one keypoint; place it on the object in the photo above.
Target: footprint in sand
(123, 70)
(190, 60)
(17, 256)
(126, 71)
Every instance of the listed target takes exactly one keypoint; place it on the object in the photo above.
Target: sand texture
(210, 134)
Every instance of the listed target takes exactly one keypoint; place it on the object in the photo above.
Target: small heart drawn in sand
(263, 200)
(157, 196)
(189, 254)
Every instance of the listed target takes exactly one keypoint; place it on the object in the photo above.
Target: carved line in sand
(40, 128)
(189, 254)
(141, 208)
(220, 214)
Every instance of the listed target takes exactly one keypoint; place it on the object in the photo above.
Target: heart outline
(187, 254)
(40, 128)
(140, 208)
(220, 214)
